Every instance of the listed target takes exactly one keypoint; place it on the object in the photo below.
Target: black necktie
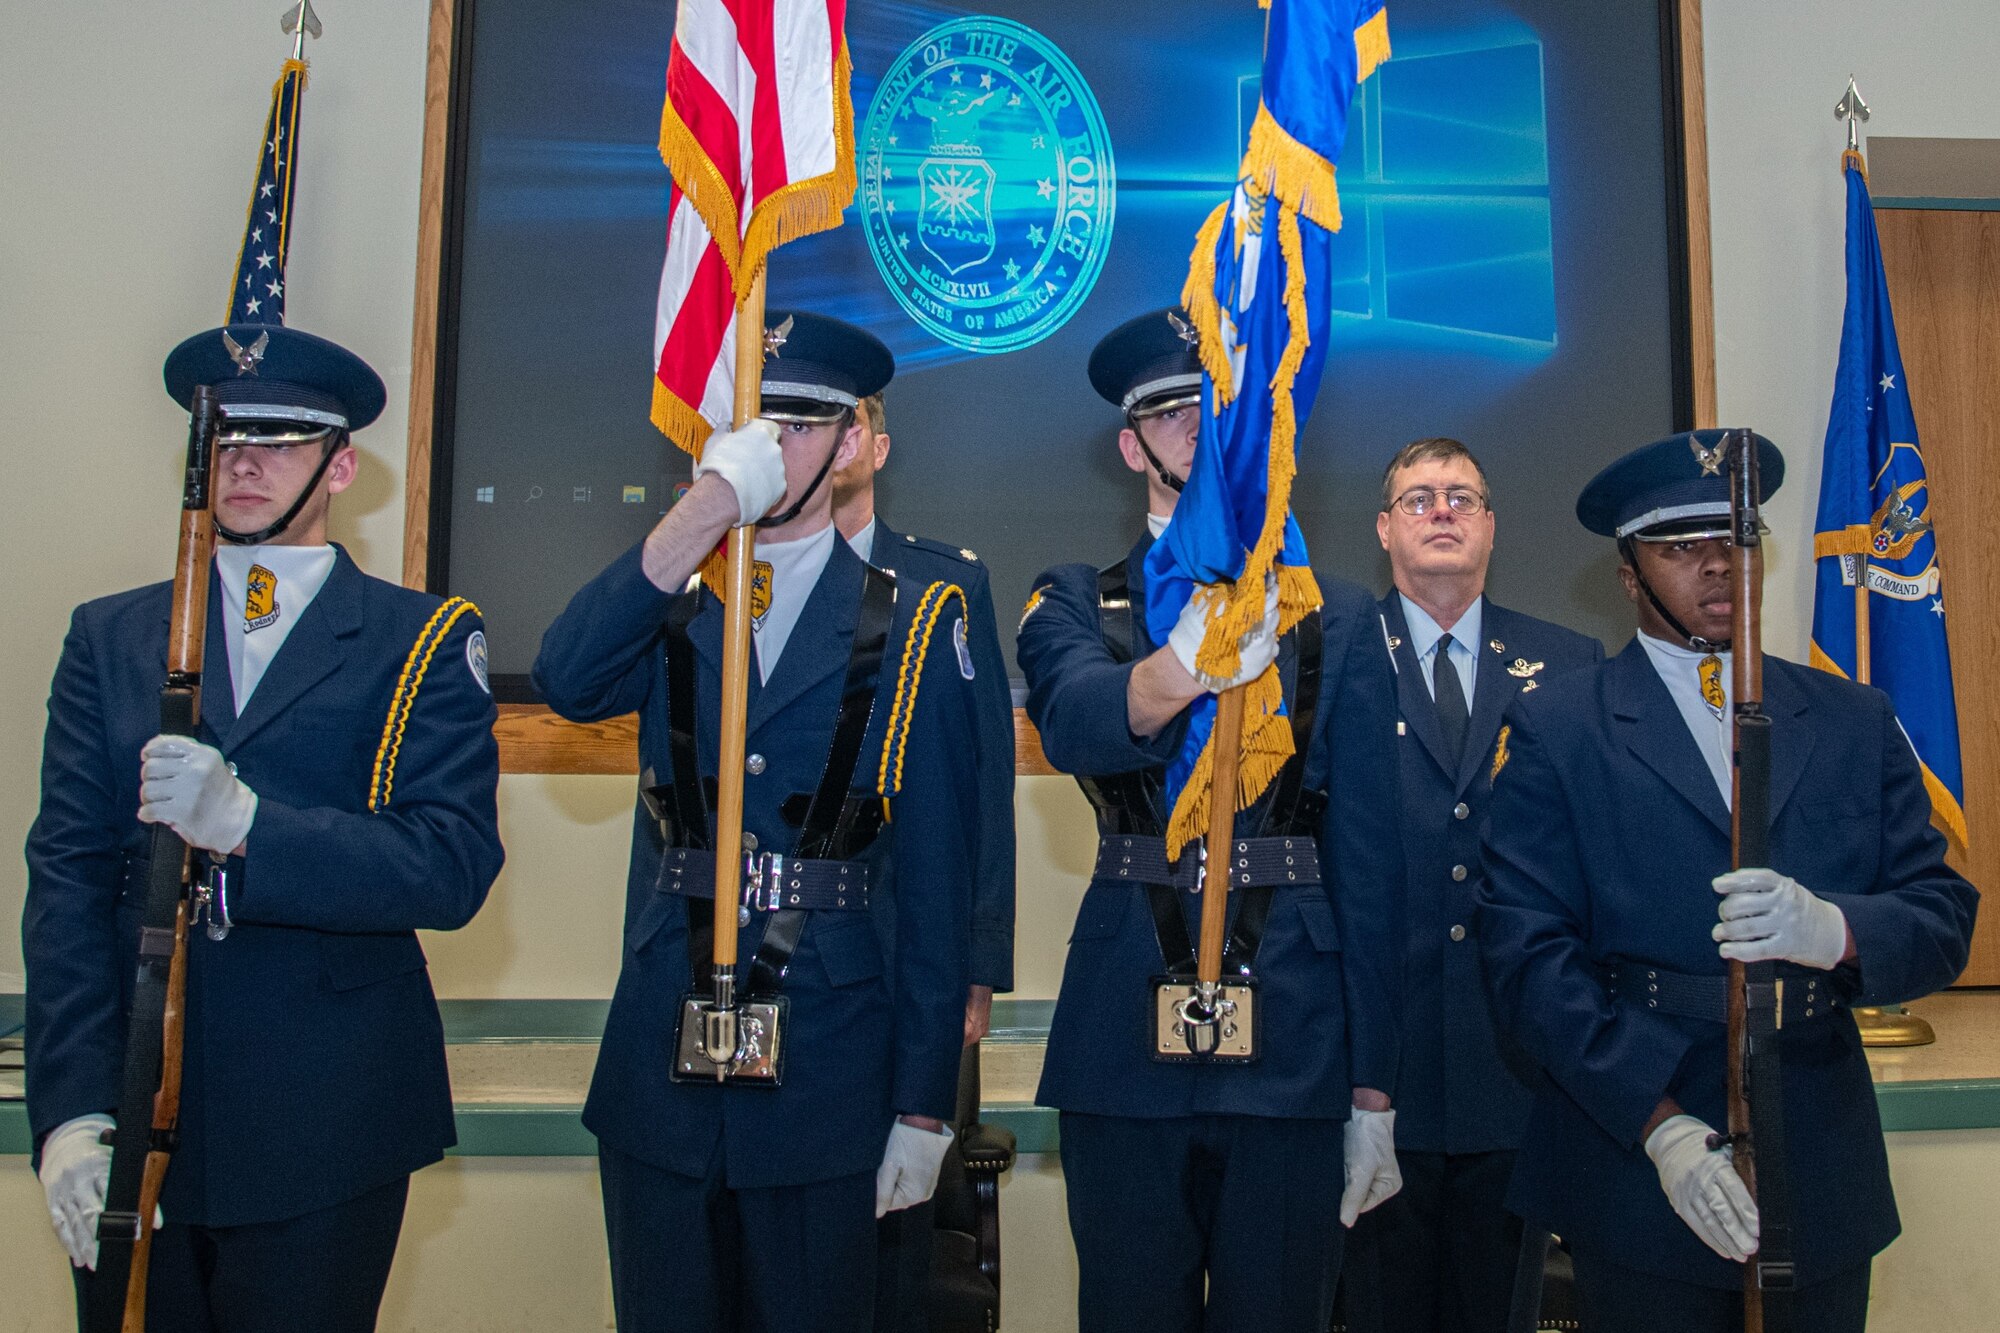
(1450, 696)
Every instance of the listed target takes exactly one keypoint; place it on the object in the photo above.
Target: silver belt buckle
(763, 875)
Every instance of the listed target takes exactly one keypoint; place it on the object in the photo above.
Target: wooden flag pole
(736, 651)
(1228, 740)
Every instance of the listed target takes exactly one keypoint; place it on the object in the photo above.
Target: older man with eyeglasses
(1443, 1254)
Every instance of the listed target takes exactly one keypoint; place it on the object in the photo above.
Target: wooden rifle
(1756, 1128)
(142, 1145)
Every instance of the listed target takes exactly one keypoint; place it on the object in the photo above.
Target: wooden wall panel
(1944, 280)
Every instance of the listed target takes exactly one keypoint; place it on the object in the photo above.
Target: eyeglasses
(1420, 500)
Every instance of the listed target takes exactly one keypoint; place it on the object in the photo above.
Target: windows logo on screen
(1444, 186)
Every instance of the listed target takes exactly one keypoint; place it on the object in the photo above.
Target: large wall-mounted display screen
(1510, 273)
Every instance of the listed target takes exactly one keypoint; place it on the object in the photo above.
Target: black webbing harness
(837, 823)
(1129, 814)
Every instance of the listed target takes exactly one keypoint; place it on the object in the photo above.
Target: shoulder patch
(1499, 754)
(475, 657)
(1034, 602)
(964, 649)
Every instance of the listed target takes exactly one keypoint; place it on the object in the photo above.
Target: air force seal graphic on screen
(987, 184)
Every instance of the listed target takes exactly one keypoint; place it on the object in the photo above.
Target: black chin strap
(1694, 641)
(778, 520)
(276, 529)
(1167, 479)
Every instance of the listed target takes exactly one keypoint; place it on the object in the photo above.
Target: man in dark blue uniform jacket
(346, 767)
(1203, 1196)
(1444, 1251)
(1608, 916)
(755, 1206)
(905, 1235)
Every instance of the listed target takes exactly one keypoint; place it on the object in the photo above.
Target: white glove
(1768, 916)
(909, 1171)
(1259, 647)
(1368, 1144)
(76, 1168)
(751, 462)
(1702, 1185)
(191, 789)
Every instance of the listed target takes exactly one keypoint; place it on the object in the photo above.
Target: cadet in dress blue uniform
(756, 1206)
(1445, 1249)
(347, 768)
(905, 1235)
(1208, 1197)
(1606, 855)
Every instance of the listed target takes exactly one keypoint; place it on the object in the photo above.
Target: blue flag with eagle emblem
(1257, 296)
(1874, 529)
(257, 291)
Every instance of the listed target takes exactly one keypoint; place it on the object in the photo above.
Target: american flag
(758, 133)
(257, 291)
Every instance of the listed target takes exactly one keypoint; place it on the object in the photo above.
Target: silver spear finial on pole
(1854, 111)
(299, 20)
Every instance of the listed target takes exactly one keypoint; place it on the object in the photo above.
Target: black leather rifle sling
(839, 823)
(1129, 803)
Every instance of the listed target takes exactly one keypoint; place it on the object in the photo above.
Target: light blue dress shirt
(1425, 634)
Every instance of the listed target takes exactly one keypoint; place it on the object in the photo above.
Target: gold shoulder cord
(415, 666)
(909, 676)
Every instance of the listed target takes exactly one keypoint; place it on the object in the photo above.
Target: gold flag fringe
(1371, 46)
(1299, 177)
(798, 209)
(1267, 744)
(1204, 312)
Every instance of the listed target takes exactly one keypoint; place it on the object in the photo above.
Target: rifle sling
(145, 1035)
(840, 822)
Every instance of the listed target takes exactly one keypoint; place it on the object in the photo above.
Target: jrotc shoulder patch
(475, 658)
(1034, 601)
(964, 648)
(1499, 754)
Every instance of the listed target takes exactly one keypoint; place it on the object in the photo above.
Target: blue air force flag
(1257, 295)
(257, 292)
(1873, 543)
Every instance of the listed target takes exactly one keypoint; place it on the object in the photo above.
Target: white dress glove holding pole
(191, 789)
(1369, 1148)
(909, 1171)
(76, 1169)
(750, 460)
(1767, 916)
(1702, 1185)
(1259, 647)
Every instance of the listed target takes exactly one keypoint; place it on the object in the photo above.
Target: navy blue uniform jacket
(1606, 829)
(1329, 962)
(314, 1067)
(918, 562)
(877, 997)
(1460, 1088)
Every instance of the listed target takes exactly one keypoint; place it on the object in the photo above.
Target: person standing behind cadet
(1442, 1254)
(346, 768)
(1204, 1198)
(1608, 915)
(755, 1206)
(905, 1235)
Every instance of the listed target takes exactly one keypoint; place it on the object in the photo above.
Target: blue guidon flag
(1257, 295)
(1873, 543)
(257, 291)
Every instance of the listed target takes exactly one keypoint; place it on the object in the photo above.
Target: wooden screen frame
(532, 738)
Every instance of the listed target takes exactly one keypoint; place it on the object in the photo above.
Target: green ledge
(1933, 202)
(502, 1129)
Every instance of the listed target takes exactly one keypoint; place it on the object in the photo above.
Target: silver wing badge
(248, 358)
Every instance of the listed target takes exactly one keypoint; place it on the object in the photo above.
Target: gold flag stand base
(1893, 1025)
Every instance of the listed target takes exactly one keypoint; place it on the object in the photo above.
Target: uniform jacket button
(755, 763)
(1457, 934)
(749, 841)
(1458, 873)
(1461, 810)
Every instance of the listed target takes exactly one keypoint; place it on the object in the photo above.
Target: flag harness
(1131, 847)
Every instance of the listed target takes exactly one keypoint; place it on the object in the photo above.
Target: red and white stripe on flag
(758, 132)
